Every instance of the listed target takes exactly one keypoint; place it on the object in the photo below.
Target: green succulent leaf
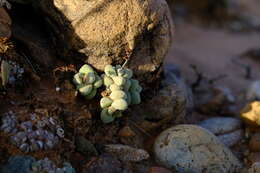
(119, 80)
(92, 94)
(114, 87)
(105, 102)
(128, 74)
(135, 98)
(85, 90)
(120, 104)
(105, 117)
(90, 78)
(110, 70)
(118, 94)
(77, 79)
(128, 99)
(134, 84)
(127, 85)
(98, 83)
(108, 81)
(86, 69)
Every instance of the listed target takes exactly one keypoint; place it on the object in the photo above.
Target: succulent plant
(37, 133)
(46, 165)
(121, 91)
(87, 81)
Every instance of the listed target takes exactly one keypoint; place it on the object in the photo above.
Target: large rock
(170, 102)
(104, 31)
(174, 100)
(5, 23)
(190, 148)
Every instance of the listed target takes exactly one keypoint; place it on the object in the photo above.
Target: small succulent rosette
(36, 133)
(87, 81)
(46, 165)
(121, 91)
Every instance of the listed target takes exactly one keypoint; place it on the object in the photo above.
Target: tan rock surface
(5, 23)
(104, 31)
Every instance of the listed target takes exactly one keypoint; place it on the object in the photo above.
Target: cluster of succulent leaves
(120, 89)
(87, 81)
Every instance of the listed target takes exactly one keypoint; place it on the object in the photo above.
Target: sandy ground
(212, 50)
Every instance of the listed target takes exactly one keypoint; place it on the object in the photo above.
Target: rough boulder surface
(190, 148)
(5, 24)
(104, 31)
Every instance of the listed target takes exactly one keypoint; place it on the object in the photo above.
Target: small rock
(255, 168)
(17, 164)
(158, 170)
(171, 74)
(190, 148)
(126, 153)
(221, 125)
(227, 129)
(5, 23)
(253, 91)
(230, 139)
(105, 163)
(251, 114)
(172, 101)
(214, 100)
(254, 157)
(254, 143)
(126, 132)
(253, 54)
(85, 147)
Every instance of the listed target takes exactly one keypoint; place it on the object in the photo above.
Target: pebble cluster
(16, 72)
(121, 91)
(46, 165)
(87, 81)
(38, 133)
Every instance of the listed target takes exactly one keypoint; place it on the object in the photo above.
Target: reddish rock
(254, 143)
(126, 132)
(104, 163)
(5, 23)
(158, 170)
